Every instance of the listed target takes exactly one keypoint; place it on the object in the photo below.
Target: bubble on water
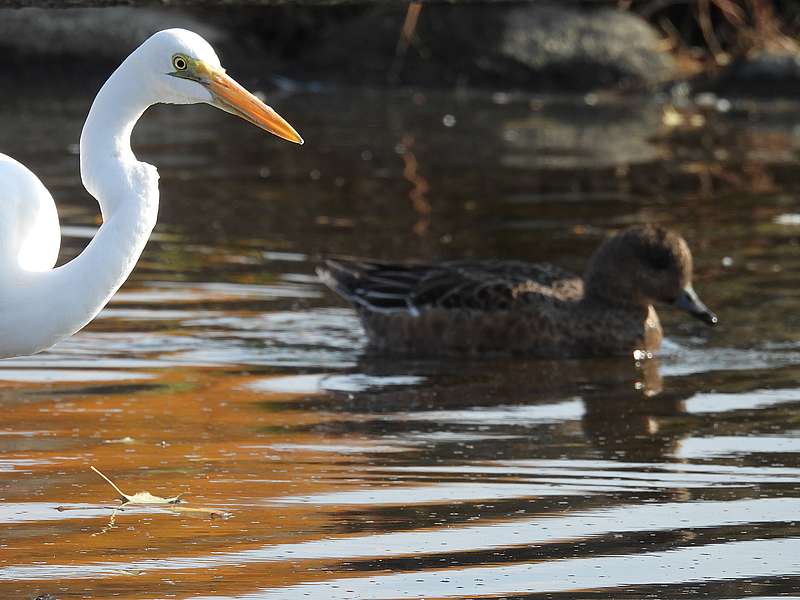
(501, 98)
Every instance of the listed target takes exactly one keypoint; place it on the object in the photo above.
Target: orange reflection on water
(202, 433)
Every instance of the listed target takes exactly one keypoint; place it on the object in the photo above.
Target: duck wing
(475, 285)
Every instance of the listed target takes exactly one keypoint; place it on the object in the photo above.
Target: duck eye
(179, 62)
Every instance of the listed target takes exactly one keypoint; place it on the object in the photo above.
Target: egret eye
(179, 62)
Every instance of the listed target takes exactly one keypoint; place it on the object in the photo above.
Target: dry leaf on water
(138, 497)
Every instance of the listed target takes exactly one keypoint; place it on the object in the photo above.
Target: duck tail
(342, 276)
(371, 286)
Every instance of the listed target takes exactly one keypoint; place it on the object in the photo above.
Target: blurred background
(225, 370)
(572, 45)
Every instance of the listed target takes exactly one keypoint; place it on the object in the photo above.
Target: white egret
(40, 304)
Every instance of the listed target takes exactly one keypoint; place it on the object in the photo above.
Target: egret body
(41, 304)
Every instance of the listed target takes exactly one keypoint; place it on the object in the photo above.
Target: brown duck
(493, 306)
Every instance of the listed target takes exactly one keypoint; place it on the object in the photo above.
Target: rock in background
(764, 74)
(91, 33)
(530, 46)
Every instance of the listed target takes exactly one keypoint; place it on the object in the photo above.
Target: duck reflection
(625, 422)
(517, 410)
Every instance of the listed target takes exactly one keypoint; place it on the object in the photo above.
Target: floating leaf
(138, 497)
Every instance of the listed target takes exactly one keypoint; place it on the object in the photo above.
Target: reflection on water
(224, 371)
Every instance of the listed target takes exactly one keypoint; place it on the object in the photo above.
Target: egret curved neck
(107, 161)
(61, 301)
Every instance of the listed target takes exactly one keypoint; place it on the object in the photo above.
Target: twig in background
(404, 41)
(703, 12)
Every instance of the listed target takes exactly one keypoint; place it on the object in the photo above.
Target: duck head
(645, 265)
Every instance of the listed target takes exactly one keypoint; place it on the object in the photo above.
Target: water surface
(224, 371)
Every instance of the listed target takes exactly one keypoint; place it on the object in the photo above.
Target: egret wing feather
(30, 236)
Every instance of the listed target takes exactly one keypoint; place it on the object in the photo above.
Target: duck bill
(691, 303)
(235, 99)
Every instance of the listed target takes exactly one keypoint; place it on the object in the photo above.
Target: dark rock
(540, 47)
(54, 46)
(91, 33)
(215, 4)
(585, 49)
(765, 74)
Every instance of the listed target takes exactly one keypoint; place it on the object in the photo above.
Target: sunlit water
(224, 371)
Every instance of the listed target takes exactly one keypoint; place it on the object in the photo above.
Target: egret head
(184, 69)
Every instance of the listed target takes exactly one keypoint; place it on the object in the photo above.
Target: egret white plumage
(40, 304)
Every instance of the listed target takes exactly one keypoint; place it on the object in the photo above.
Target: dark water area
(224, 370)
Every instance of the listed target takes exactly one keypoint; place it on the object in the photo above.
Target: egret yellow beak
(233, 98)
